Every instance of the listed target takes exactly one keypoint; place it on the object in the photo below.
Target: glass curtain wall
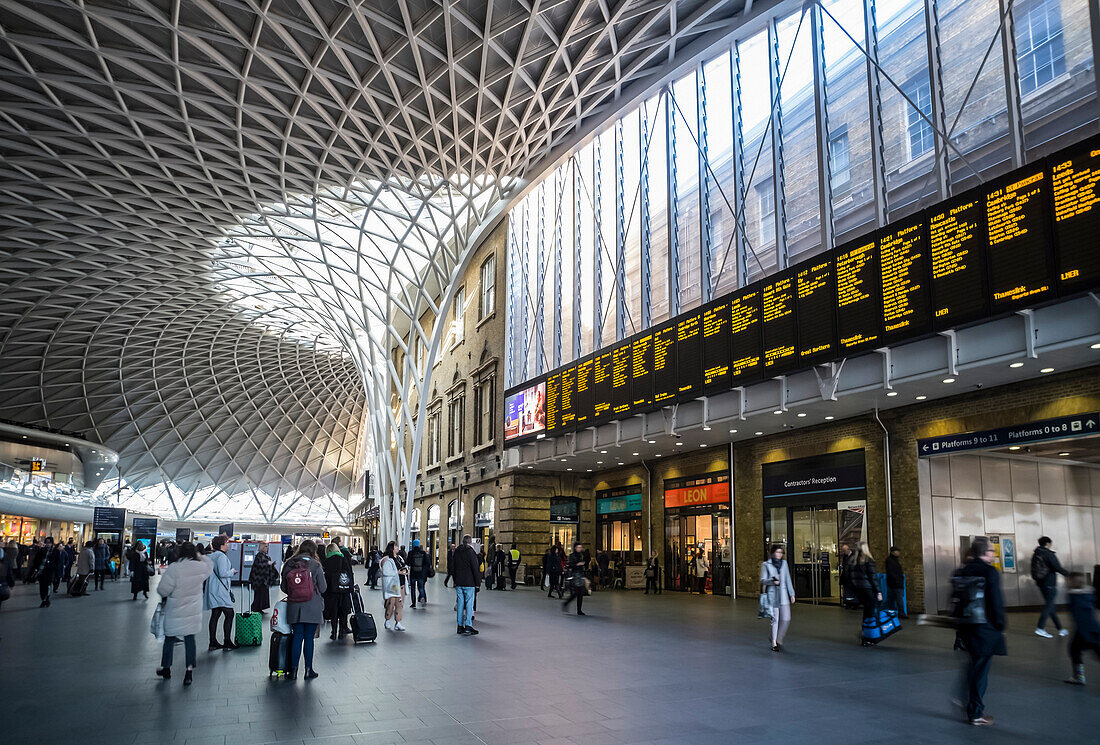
(816, 126)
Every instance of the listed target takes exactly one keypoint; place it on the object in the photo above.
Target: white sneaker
(1063, 632)
(399, 626)
(389, 625)
(1044, 633)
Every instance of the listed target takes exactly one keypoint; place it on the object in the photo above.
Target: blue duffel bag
(883, 625)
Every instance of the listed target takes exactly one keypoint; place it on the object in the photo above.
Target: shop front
(454, 521)
(619, 524)
(433, 534)
(484, 510)
(697, 518)
(565, 516)
(26, 529)
(813, 506)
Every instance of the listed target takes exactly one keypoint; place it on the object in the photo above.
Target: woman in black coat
(138, 561)
(864, 579)
(340, 581)
(262, 576)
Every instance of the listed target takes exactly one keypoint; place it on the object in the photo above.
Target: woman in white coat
(775, 582)
(181, 586)
(218, 598)
(392, 592)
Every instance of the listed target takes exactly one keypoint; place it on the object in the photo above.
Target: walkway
(668, 669)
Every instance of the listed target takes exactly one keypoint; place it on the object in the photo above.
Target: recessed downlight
(530, 466)
(778, 411)
(1014, 365)
(568, 469)
(706, 428)
(679, 443)
(634, 454)
(800, 414)
(599, 463)
(759, 433)
(948, 380)
(1013, 447)
(703, 445)
(891, 394)
(590, 470)
(1063, 455)
(1095, 346)
(829, 417)
(603, 452)
(620, 464)
(921, 397)
(1047, 370)
(652, 442)
(658, 455)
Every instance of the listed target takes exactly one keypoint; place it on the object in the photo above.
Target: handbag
(278, 618)
(765, 612)
(156, 623)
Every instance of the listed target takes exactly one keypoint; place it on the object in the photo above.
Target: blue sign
(286, 539)
(1047, 429)
(624, 503)
(1008, 554)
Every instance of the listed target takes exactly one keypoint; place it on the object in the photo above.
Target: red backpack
(299, 582)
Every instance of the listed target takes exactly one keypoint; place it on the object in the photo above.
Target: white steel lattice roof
(216, 218)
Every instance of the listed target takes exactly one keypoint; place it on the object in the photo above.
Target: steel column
(935, 82)
(781, 258)
(1012, 81)
(874, 99)
(824, 161)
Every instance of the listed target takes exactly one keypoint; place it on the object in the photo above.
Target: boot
(1078, 678)
(187, 677)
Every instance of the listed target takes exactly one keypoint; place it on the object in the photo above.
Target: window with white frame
(918, 130)
(483, 408)
(1040, 52)
(765, 200)
(488, 288)
(840, 161)
(459, 317)
(434, 434)
(456, 410)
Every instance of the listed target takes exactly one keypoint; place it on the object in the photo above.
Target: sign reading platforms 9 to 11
(1022, 240)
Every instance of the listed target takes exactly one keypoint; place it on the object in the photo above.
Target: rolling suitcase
(248, 629)
(278, 661)
(362, 623)
(79, 586)
(883, 625)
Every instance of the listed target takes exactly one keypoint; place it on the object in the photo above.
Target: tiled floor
(667, 669)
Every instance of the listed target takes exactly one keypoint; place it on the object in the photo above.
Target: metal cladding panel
(1025, 481)
(946, 550)
(1028, 529)
(966, 477)
(1052, 483)
(996, 480)
(941, 476)
(1082, 550)
(1079, 486)
(999, 517)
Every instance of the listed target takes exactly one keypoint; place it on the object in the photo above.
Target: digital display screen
(956, 239)
(1017, 226)
(664, 364)
(1027, 238)
(716, 347)
(903, 263)
(778, 323)
(858, 296)
(1076, 186)
(525, 412)
(816, 339)
(689, 356)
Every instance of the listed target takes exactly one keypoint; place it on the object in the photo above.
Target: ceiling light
(948, 380)
(679, 443)
(590, 470)
(733, 431)
(1014, 365)
(1095, 346)
(633, 453)
(891, 394)
(1047, 370)
(1063, 454)
(801, 414)
(1013, 447)
(563, 460)
(24, 437)
(829, 417)
(921, 397)
(620, 464)
(652, 442)
(599, 463)
(568, 469)
(759, 433)
(778, 411)
(703, 445)
(603, 452)
(530, 466)
(706, 428)
(658, 455)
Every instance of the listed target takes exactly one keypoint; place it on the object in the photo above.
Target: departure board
(1076, 188)
(777, 322)
(1027, 238)
(903, 264)
(814, 310)
(582, 398)
(858, 296)
(620, 379)
(1017, 223)
(601, 386)
(641, 371)
(664, 364)
(747, 352)
(956, 240)
(689, 356)
(716, 347)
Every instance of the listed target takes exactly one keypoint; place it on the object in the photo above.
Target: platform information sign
(1047, 429)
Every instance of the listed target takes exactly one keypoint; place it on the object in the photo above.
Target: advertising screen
(525, 412)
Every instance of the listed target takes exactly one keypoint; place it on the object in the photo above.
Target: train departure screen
(582, 399)
(716, 347)
(747, 350)
(553, 404)
(568, 416)
(903, 262)
(601, 386)
(778, 324)
(620, 379)
(664, 363)
(858, 296)
(1016, 221)
(1076, 184)
(641, 372)
(956, 238)
(814, 312)
(689, 356)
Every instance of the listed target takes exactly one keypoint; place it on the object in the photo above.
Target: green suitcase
(249, 630)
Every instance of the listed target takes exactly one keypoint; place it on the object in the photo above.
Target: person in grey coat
(775, 582)
(218, 598)
(304, 616)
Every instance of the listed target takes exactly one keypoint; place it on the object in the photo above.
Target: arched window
(433, 517)
(484, 518)
(415, 521)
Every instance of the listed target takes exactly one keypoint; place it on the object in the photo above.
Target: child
(1086, 634)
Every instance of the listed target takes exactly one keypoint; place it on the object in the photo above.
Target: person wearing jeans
(304, 616)
(1045, 569)
(775, 581)
(181, 587)
(982, 641)
(466, 572)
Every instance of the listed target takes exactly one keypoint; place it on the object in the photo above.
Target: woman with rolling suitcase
(340, 580)
(181, 588)
(304, 584)
(140, 569)
(864, 580)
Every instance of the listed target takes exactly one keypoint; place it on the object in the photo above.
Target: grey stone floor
(667, 669)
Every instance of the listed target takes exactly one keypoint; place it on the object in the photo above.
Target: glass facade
(818, 125)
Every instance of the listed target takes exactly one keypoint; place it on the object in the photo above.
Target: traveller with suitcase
(864, 581)
(341, 580)
(278, 662)
(248, 629)
(363, 628)
(304, 584)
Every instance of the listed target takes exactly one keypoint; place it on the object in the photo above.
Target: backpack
(416, 562)
(299, 582)
(1040, 569)
(968, 599)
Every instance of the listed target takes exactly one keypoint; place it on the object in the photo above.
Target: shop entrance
(565, 514)
(697, 519)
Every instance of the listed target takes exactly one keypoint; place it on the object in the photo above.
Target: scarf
(777, 563)
(335, 552)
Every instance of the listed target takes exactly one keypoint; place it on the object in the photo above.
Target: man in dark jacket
(575, 566)
(982, 640)
(47, 566)
(500, 562)
(1045, 569)
(466, 572)
(895, 581)
(418, 573)
(450, 558)
(373, 563)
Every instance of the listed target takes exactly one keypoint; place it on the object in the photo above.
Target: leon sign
(689, 496)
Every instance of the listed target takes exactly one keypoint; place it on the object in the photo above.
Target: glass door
(812, 553)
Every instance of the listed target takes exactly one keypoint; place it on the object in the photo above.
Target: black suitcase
(278, 661)
(79, 586)
(362, 623)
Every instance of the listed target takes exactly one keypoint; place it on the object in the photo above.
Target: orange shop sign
(689, 496)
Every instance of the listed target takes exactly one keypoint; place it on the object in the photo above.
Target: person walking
(982, 641)
(847, 593)
(102, 562)
(864, 580)
(895, 581)
(261, 578)
(304, 584)
(1045, 569)
(392, 592)
(553, 565)
(181, 587)
(513, 564)
(653, 574)
(500, 563)
(1086, 628)
(85, 567)
(775, 583)
(138, 561)
(340, 580)
(450, 558)
(419, 563)
(68, 557)
(702, 568)
(218, 598)
(47, 565)
(11, 561)
(465, 568)
(578, 587)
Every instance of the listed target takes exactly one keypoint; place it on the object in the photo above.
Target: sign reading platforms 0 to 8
(1029, 237)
